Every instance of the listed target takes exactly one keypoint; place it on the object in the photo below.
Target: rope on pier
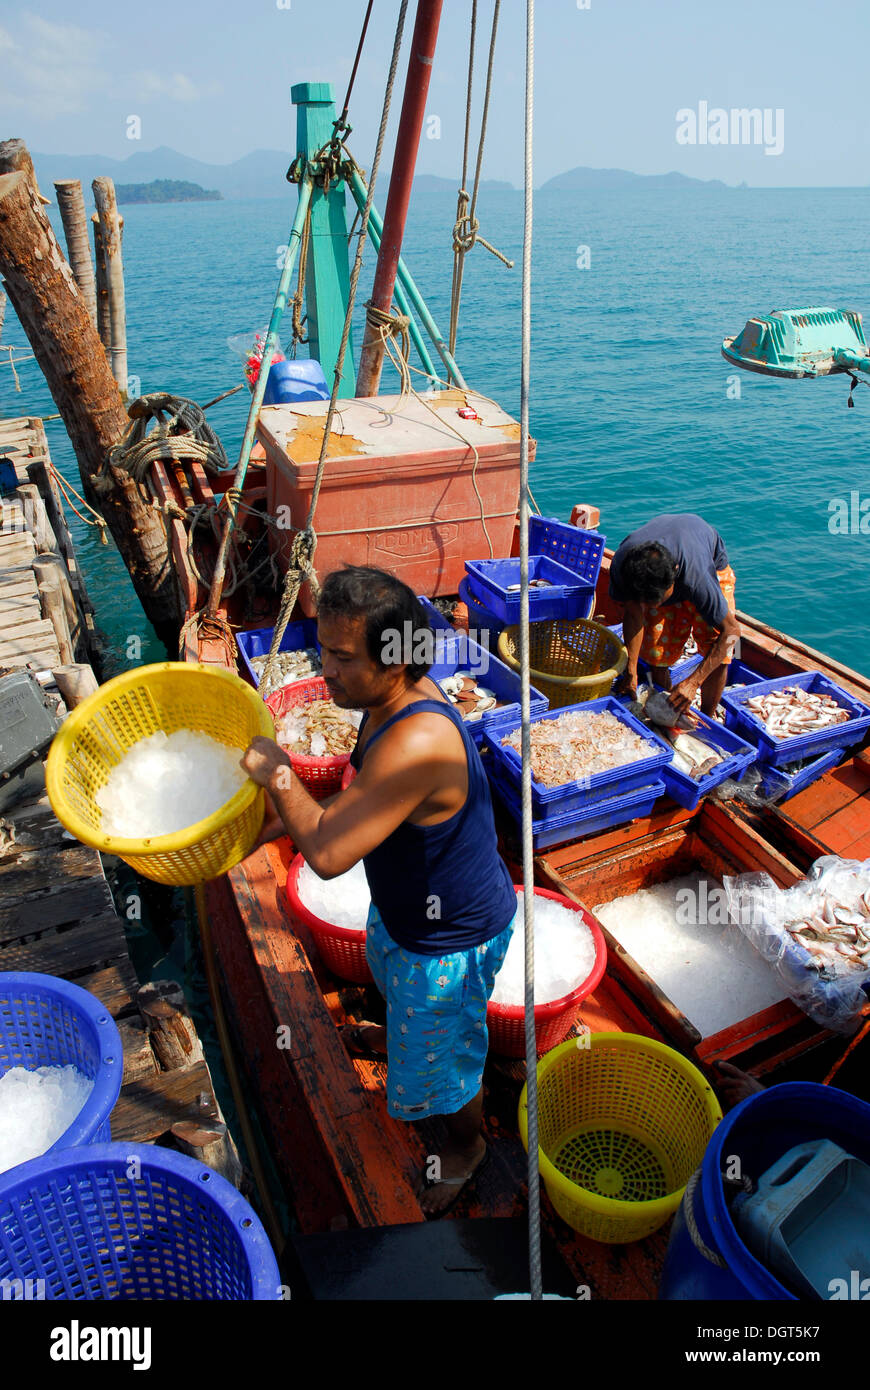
(186, 434)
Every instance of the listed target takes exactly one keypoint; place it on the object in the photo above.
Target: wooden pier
(57, 915)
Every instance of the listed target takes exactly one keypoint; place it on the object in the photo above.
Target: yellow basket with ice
(623, 1122)
(168, 696)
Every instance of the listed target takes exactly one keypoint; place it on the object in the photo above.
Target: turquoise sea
(630, 396)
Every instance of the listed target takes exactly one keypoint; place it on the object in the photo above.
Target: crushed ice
(344, 901)
(166, 782)
(564, 954)
(36, 1107)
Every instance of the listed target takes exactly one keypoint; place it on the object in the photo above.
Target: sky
(212, 78)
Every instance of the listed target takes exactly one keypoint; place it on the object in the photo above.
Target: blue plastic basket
(687, 791)
(458, 652)
(258, 642)
(776, 781)
(552, 802)
(49, 1022)
(567, 595)
(776, 751)
(479, 616)
(585, 820)
(128, 1221)
(578, 550)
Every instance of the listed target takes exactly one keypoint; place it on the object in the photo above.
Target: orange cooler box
(398, 491)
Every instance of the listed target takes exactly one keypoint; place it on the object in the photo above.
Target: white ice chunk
(166, 783)
(564, 954)
(36, 1107)
(344, 901)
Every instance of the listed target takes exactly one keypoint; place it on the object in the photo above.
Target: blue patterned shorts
(436, 1020)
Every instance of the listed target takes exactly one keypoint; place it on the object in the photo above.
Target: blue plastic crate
(578, 550)
(566, 596)
(588, 820)
(49, 1022)
(479, 616)
(256, 643)
(457, 651)
(686, 790)
(776, 780)
(558, 801)
(436, 618)
(777, 751)
(131, 1221)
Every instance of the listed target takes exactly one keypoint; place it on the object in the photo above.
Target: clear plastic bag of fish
(815, 934)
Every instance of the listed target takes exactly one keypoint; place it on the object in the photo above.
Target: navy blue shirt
(442, 888)
(699, 552)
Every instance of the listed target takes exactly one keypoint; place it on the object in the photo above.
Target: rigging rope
(301, 562)
(466, 228)
(534, 1182)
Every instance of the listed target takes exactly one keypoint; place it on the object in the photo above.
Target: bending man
(673, 578)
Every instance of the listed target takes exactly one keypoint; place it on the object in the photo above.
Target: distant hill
(260, 174)
(165, 191)
(433, 183)
(586, 178)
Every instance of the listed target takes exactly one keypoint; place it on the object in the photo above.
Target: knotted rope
(186, 434)
(389, 324)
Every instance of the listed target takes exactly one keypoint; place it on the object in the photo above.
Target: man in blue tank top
(419, 816)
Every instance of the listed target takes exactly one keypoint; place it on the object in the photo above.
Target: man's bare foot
(458, 1167)
(361, 1039)
(736, 1085)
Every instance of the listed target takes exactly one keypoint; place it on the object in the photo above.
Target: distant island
(165, 191)
(585, 178)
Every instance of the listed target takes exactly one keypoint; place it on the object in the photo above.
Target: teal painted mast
(327, 283)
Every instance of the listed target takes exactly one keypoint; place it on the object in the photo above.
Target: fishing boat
(393, 483)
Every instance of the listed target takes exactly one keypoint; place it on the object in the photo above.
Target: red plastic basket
(342, 949)
(554, 1020)
(322, 776)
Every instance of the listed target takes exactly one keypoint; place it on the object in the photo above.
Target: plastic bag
(249, 346)
(834, 996)
(749, 788)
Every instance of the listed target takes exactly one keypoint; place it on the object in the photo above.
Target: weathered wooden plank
(148, 1107)
(373, 1169)
(115, 985)
(139, 1059)
(295, 1142)
(32, 869)
(53, 908)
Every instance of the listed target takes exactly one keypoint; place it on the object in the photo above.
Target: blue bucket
(49, 1022)
(758, 1131)
(301, 380)
(122, 1221)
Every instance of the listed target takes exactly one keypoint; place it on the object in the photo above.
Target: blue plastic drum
(715, 1264)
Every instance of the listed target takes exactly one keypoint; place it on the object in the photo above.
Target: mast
(401, 179)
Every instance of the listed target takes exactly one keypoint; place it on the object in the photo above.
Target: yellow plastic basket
(623, 1122)
(571, 659)
(170, 695)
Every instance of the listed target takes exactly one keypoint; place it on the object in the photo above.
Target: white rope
(535, 1284)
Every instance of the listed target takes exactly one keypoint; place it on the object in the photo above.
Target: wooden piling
(71, 203)
(51, 308)
(104, 317)
(15, 157)
(75, 683)
(52, 604)
(36, 518)
(110, 227)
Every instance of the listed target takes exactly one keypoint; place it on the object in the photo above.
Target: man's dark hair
(383, 601)
(647, 572)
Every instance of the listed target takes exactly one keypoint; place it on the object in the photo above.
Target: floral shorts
(667, 628)
(436, 1020)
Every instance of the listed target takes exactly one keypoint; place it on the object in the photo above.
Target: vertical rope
(535, 1285)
